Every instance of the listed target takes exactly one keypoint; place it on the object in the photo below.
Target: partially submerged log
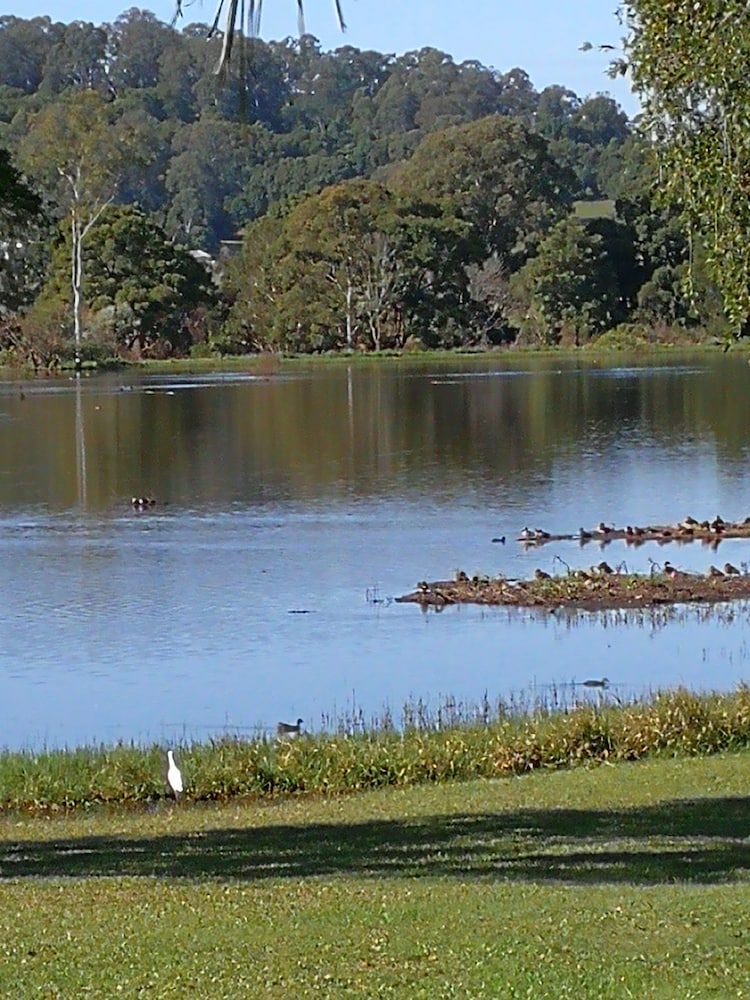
(599, 588)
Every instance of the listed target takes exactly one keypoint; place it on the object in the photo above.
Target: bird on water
(174, 776)
(286, 729)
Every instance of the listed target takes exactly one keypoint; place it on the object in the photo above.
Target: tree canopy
(372, 201)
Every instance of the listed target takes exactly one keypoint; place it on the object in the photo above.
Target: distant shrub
(623, 337)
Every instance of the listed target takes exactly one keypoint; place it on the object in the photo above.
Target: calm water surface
(295, 506)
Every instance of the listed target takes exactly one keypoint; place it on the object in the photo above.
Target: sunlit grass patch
(607, 882)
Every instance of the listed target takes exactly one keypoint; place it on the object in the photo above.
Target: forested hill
(215, 154)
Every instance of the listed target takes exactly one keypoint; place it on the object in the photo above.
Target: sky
(542, 37)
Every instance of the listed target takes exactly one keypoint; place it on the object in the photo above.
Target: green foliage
(569, 289)
(18, 201)
(153, 289)
(355, 266)
(146, 296)
(132, 112)
(21, 223)
(623, 337)
(41, 337)
(688, 64)
(496, 174)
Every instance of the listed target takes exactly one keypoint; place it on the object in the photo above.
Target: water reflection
(330, 492)
(80, 447)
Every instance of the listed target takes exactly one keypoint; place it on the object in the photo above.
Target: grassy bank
(267, 364)
(502, 742)
(270, 364)
(609, 882)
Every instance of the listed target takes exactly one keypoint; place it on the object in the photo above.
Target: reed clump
(487, 743)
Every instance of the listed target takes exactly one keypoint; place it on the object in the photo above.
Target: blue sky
(540, 36)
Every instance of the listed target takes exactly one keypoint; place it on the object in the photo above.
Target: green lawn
(609, 881)
(602, 208)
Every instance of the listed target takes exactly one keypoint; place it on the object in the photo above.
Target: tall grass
(483, 742)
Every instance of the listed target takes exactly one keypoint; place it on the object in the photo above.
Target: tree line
(375, 201)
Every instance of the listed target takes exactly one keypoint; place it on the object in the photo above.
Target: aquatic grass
(504, 742)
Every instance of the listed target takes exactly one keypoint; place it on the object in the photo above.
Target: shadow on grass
(702, 841)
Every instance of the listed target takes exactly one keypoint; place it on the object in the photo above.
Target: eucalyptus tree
(25, 46)
(204, 172)
(355, 266)
(79, 59)
(77, 149)
(688, 63)
(496, 174)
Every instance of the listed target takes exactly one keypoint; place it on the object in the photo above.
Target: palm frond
(230, 14)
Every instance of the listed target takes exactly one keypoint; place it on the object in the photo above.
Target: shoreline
(268, 363)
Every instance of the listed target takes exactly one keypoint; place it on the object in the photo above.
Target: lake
(293, 507)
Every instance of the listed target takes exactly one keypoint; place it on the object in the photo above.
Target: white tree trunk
(76, 255)
(349, 327)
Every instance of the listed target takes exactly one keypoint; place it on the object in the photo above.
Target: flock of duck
(687, 530)
(603, 585)
(142, 503)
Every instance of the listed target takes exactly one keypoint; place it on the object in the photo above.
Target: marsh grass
(608, 882)
(458, 744)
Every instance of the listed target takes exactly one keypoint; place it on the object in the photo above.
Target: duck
(527, 535)
(673, 573)
(540, 533)
(461, 577)
(286, 730)
(601, 682)
(604, 567)
(731, 570)
(688, 522)
(714, 571)
(605, 528)
(583, 534)
(539, 574)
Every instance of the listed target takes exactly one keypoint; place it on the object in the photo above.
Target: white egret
(174, 776)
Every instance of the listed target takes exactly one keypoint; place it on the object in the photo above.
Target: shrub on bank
(674, 723)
